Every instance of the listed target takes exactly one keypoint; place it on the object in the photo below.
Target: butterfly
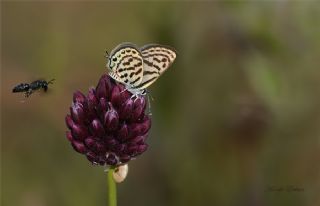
(137, 68)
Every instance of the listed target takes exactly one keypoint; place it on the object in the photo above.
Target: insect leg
(28, 93)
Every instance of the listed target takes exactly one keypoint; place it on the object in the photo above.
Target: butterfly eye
(114, 59)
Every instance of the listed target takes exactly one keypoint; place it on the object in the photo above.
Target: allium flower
(107, 125)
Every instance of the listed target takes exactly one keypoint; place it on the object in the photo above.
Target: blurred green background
(235, 119)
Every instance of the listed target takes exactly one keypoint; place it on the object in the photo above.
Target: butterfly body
(138, 68)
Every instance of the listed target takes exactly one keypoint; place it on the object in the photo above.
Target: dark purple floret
(107, 125)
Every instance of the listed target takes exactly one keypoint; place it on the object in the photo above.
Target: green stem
(112, 188)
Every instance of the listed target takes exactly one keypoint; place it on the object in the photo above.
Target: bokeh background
(235, 119)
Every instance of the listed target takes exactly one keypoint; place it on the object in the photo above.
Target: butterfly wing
(156, 60)
(126, 64)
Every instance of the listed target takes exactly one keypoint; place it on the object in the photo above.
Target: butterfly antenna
(106, 54)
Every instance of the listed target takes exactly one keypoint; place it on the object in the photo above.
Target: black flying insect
(28, 89)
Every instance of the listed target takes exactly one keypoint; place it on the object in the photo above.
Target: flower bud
(137, 129)
(111, 142)
(79, 97)
(69, 121)
(77, 112)
(69, 136)
(97, 128)
(132, 150)
(138, 108)
(78, 146)
(142, 148)
(139, 139)
(111, 159)
(111, 120)
(119, 148)
(127, 108)
(125, 158)
(103, 89)
(123, 133)
(78, 132)
(100, 148)
(92, 157)
(92, 100)
(90, 142)
(115, 96)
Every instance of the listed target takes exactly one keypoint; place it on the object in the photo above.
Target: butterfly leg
(135, 97)
(126, 89)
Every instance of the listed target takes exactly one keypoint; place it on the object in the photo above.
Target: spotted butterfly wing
(156, 60)
(126, 64)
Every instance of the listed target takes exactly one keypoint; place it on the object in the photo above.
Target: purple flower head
(107, 125)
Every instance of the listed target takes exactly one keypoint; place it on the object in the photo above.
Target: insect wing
(126, 64)
(156, 60)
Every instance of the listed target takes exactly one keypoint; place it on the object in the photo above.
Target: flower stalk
(112, 188)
